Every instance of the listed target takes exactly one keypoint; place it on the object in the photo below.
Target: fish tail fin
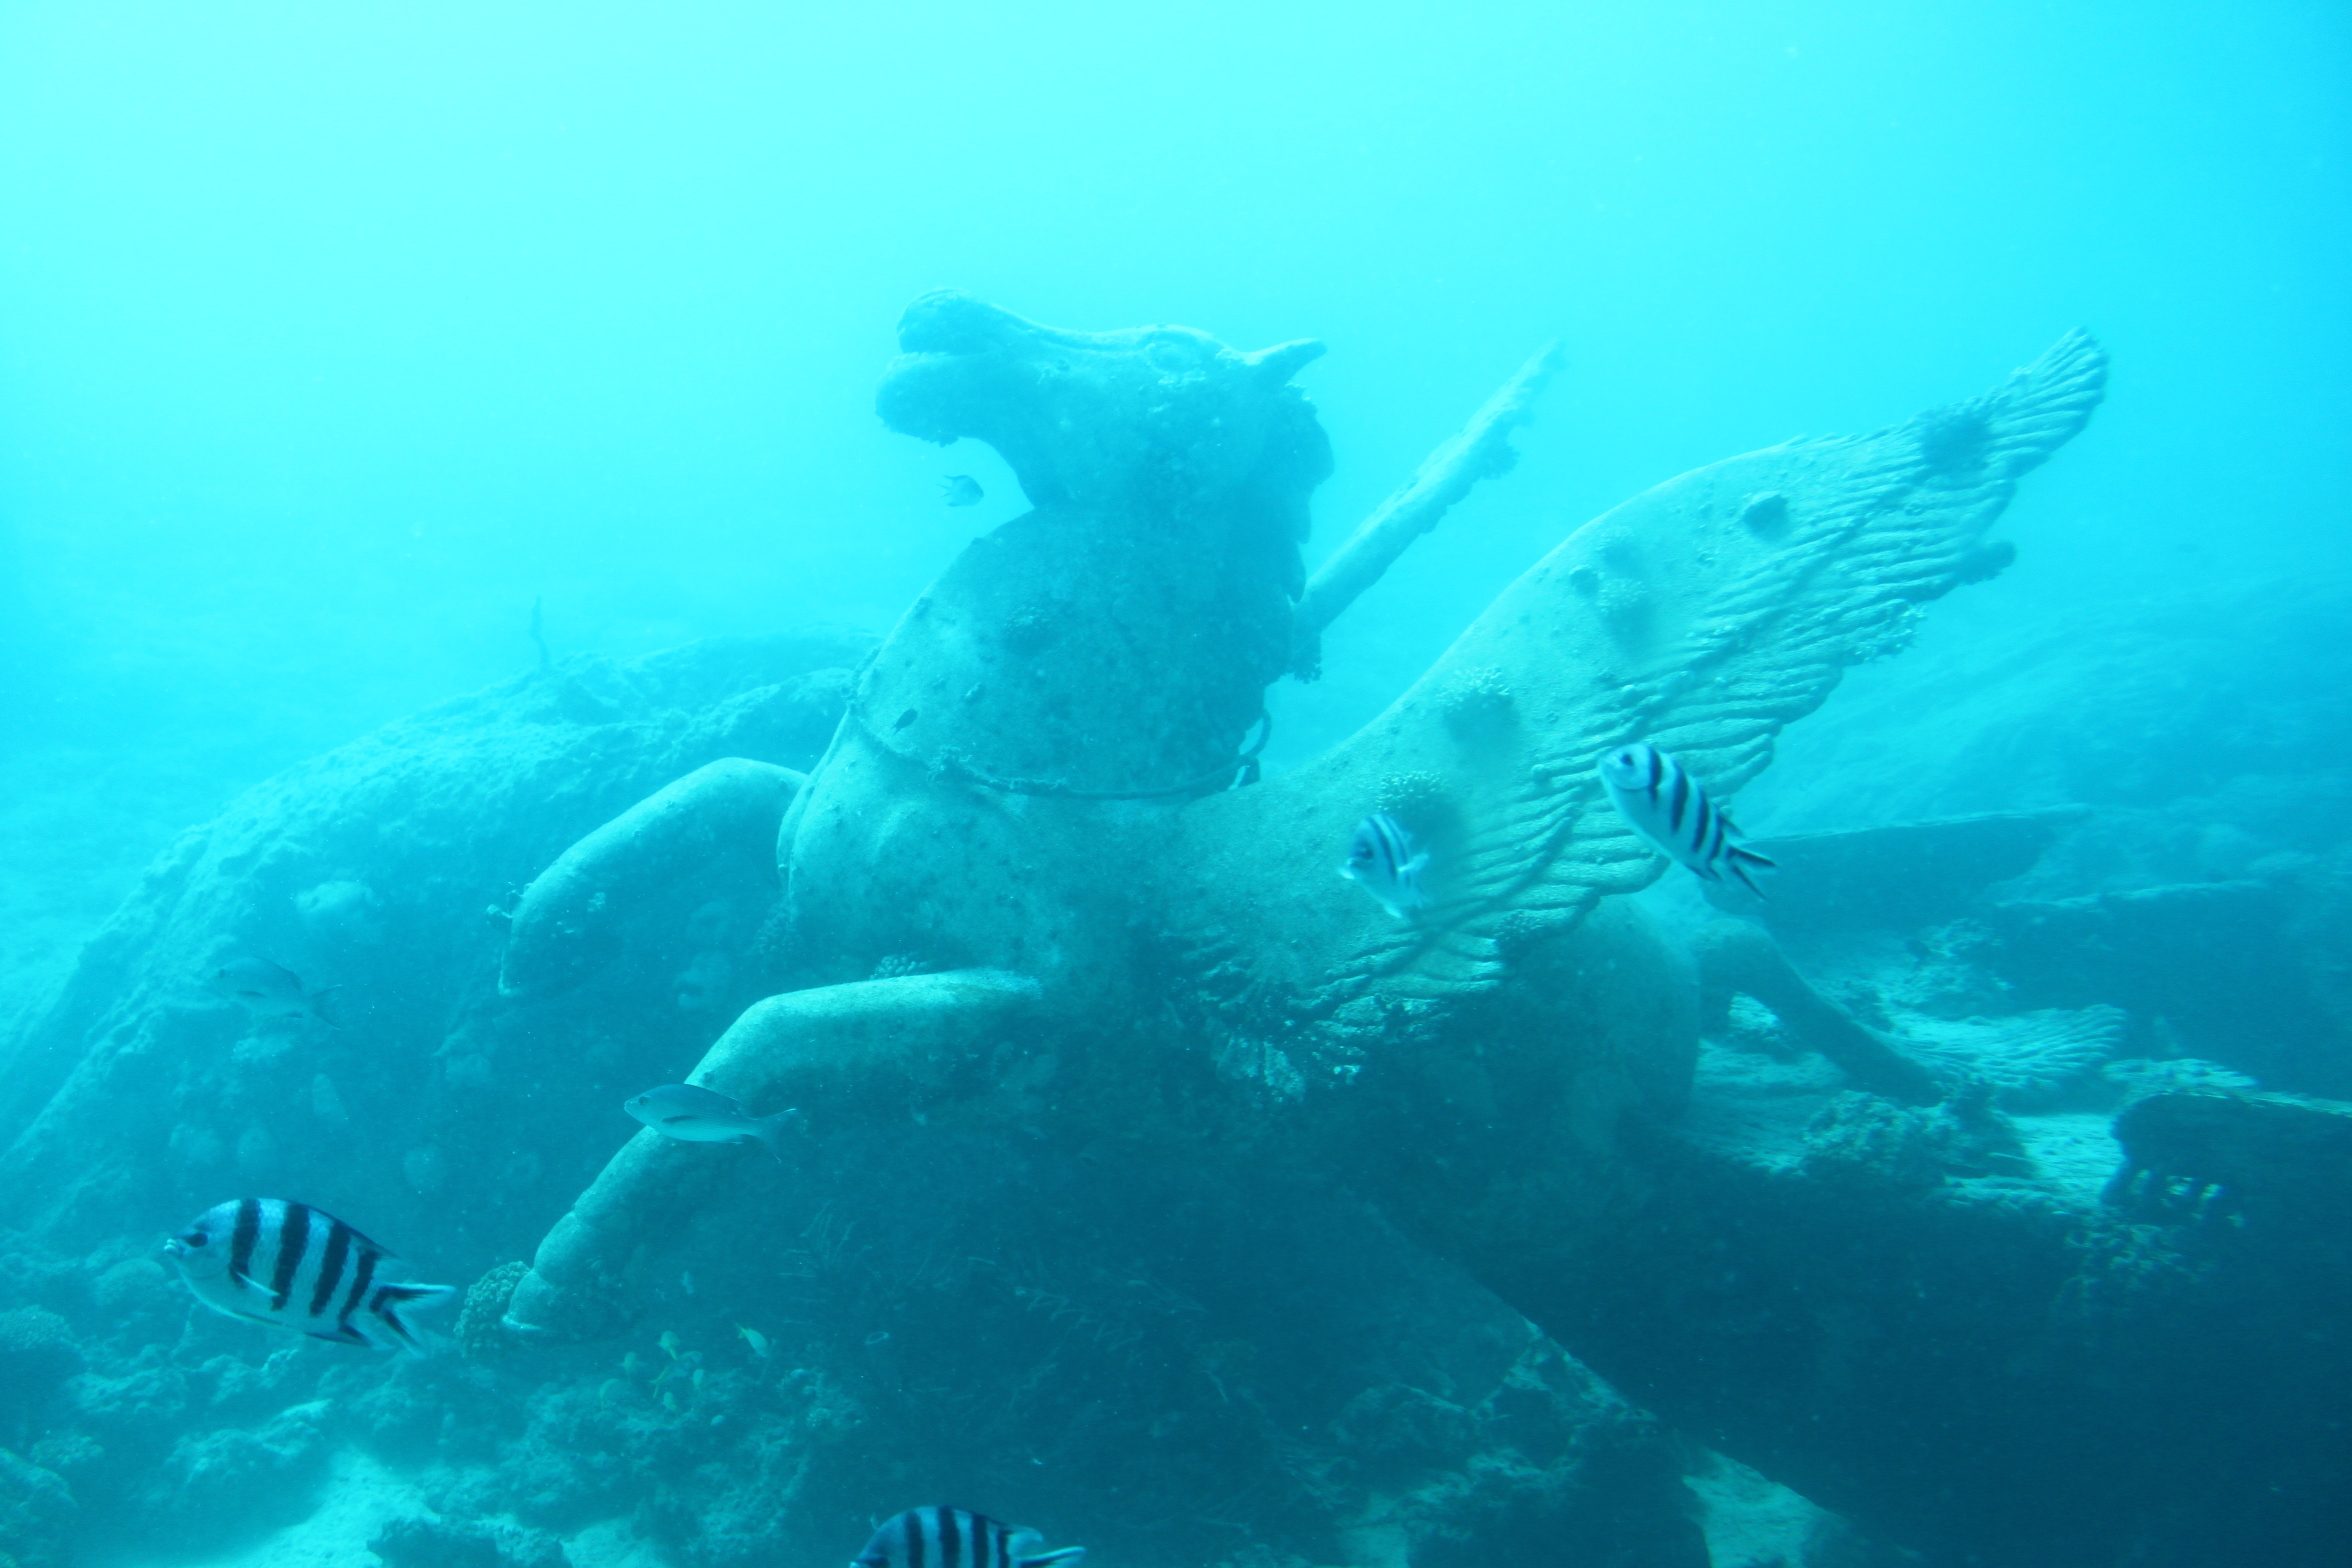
(1745, 864)
(386, 1303)
(316, 1003)
(774, 1129)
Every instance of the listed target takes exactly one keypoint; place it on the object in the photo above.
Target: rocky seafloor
(1975, 1226)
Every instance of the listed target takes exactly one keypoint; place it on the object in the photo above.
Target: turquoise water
(341, 353)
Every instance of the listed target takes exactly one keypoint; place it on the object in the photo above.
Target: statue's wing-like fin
(1703, 615)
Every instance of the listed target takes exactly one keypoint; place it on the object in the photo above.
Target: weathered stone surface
(2235, 968)
(2277, 1160)
(1903, 875)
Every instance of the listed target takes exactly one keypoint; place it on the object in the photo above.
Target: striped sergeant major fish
(959, 1538)
(1386, 861)
(1668, 811)
(301, 1268)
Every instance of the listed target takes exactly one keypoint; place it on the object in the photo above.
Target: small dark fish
(937, 1537)
(270, 1261)
(269, 990)
(539, 633)
(1387, 862)
(961, 490)
(696, 1115)
(1668, 811)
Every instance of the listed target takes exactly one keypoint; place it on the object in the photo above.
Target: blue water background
(328, 342)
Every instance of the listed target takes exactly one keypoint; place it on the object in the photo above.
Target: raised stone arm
(1480, 449)
(630, 874)
(876, 1048)
(1736, 957)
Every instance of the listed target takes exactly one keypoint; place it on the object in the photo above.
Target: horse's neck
(1101, 654)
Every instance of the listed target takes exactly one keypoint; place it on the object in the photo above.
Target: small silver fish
(269, 990)
(923, 1536)
(696, 1115)
(1668, 811)
(961, 490)
(1385, 860)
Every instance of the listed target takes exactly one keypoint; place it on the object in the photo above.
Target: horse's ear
(1275, 366)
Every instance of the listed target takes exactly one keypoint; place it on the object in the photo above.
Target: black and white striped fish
(1668, 811)
(301, 1268)
(1387, 862)
(959, 1538)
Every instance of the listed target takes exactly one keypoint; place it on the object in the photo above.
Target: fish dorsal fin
(360, 1239)
(1704, 615)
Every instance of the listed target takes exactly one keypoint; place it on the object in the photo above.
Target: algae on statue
(1034, 775)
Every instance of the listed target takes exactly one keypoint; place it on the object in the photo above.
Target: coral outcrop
(442, 818)
(436, 1543)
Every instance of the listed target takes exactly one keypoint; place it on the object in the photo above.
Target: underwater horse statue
(1023, 853)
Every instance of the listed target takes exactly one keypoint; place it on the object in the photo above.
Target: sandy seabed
(361, 1497)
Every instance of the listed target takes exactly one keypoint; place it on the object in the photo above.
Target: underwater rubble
(1932, 1300)
(1783, 1244)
